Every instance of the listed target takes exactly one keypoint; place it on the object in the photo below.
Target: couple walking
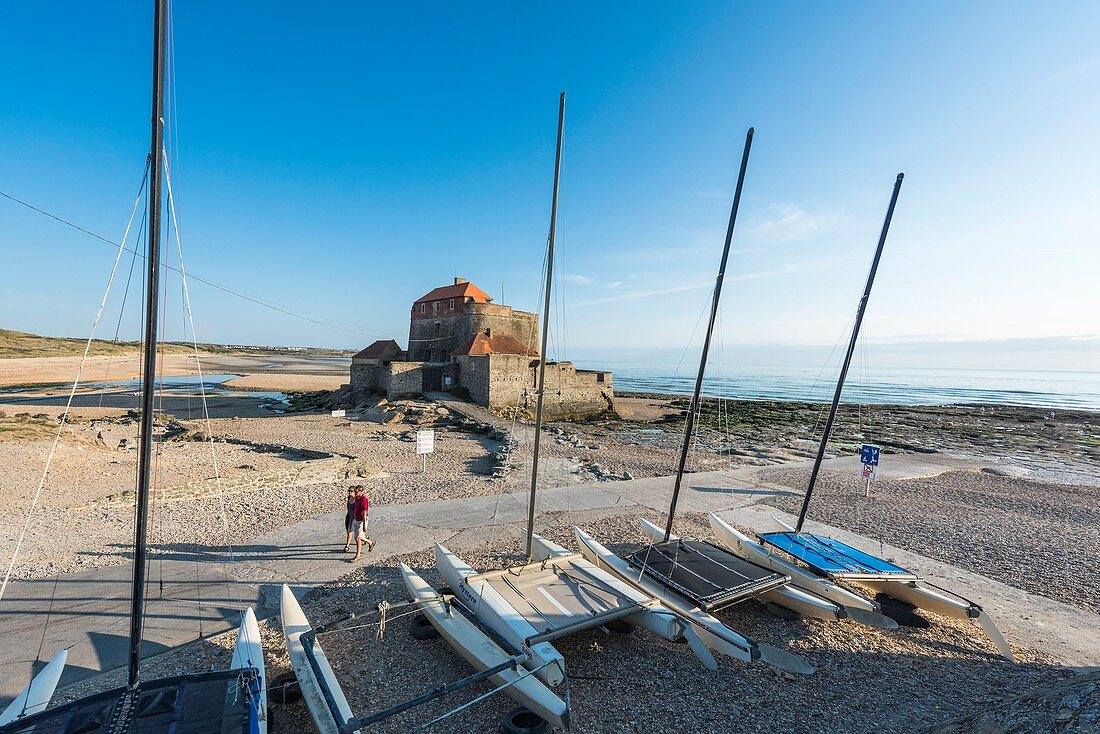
(356, 521)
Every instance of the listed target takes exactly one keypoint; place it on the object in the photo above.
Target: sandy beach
(1028, 521)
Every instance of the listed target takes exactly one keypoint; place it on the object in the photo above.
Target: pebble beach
(1036, 534)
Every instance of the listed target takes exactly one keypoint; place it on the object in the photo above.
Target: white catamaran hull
(295, 625)
(482, 653)
(654, 617)
(922, 597)
(714, 634)
(36, 696)
(248, 652)
(855, 607)
(806, 604)
(500, 616)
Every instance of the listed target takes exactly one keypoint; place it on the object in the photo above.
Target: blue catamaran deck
(834, 559)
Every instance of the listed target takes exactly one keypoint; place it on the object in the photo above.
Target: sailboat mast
(545, 328)
(848, 356)
(152, 288)
(688, 428)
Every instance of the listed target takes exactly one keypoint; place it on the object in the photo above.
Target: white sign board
(339, 413)
(425, 442)
(868, 471)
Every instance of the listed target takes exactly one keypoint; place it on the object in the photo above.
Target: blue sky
(343, 159)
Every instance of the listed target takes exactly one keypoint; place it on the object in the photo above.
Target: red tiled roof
(455, 291)
(379, 349)
(481, 345)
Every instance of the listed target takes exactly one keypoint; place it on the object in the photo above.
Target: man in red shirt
(360, 521)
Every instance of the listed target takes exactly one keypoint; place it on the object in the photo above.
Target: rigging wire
(202, 386)
(266, 303)
(72, 392)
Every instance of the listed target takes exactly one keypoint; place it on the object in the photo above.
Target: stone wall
(366, 381)
(522, 326)
(570, 393)
(402, 378)
(433, 339)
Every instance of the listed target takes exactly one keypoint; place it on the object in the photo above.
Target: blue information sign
(868, 454)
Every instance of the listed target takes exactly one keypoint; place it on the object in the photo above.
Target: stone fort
(462, 342)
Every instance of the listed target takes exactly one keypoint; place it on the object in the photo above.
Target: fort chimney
(460, 281)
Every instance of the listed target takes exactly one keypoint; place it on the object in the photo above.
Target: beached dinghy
(652, 616)
(456, 626)
(36, 696)
(716, 635)
(855, 607)
(695, 578)
(529, 606)
(328, 707)
(232, 700)
(806, 603)
(248, 654)
(839, 561)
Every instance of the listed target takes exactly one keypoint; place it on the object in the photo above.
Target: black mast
(152, 288)
(848, 356)
(545, 327)
(710, 330)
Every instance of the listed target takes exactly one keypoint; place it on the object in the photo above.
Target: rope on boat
(72, 391)
(383, 608)
(482, 697)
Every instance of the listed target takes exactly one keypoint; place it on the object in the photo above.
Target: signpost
(425, 444)
(868, 456)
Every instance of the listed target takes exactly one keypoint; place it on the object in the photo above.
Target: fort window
(436, 306)
(452, 304)
(423, 308)
(599, 377)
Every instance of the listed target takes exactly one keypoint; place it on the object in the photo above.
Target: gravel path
(1043, 538)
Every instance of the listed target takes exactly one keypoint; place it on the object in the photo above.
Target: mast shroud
(848, 356)
(690, 425)
(545, 328)
(152, 277)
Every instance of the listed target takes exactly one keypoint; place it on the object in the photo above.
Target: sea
(911, 386)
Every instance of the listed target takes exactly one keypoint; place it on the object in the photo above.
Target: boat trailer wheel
(284, 688)
(422, 628)
(522, 721)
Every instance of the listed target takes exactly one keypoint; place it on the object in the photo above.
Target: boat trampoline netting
(710, 576)
(829, 557)
(182, 705)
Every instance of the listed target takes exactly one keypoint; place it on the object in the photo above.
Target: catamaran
(557, 593)
(230, 700)
(693, 578)
(834, 561)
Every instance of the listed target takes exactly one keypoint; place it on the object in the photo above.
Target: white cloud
(789, 223)
(613, 285)
(579, 279)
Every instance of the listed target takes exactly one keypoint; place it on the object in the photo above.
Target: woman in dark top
(349, 519)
